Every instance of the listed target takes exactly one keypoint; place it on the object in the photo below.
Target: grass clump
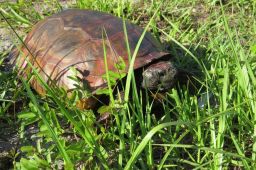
(207, 122)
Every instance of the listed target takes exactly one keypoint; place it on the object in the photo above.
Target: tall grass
(211, 126)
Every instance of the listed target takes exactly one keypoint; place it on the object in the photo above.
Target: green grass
(215, 42)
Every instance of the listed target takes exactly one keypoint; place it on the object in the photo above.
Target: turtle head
(159, 76)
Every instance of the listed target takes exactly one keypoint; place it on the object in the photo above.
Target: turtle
(74, 38)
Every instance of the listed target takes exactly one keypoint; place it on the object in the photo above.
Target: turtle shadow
(186, 59)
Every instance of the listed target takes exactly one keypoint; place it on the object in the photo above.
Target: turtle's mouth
(159, 76)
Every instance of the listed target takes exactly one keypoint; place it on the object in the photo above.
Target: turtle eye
(161, 73)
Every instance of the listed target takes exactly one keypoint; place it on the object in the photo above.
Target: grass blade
(147, 138)
(68, 162)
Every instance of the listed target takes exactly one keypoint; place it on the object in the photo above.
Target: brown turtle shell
(73, 39)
